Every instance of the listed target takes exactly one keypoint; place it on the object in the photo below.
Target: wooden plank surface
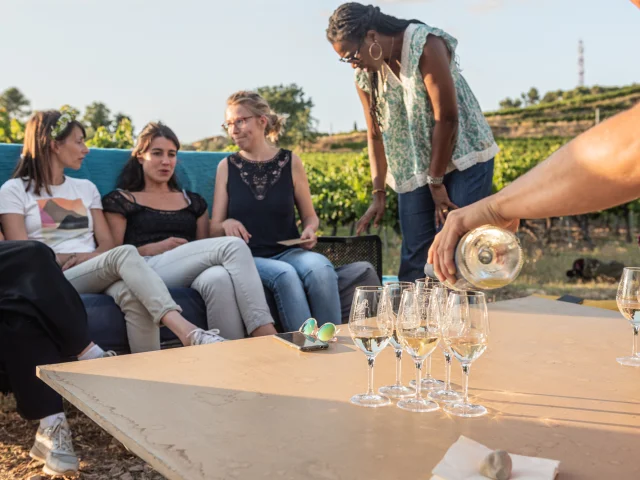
(256, 408)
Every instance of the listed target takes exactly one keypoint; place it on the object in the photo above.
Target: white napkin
(463, 459)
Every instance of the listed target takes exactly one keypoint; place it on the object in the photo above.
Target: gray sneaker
(54, 447)
(203, 337)
(109, 353)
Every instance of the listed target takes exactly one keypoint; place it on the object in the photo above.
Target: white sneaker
(204, 337)
(109, 353)
(54, 447)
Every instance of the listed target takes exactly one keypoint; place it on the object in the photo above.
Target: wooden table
(258, 409)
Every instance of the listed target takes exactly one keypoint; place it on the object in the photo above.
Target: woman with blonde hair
(256, 195)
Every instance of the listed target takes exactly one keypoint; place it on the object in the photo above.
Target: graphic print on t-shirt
(62, 219)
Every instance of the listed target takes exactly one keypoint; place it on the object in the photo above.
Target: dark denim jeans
(417, 214)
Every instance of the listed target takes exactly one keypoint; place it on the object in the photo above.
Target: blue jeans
(304, 284)
(417, 214)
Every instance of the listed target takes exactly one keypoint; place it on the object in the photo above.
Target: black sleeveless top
(147, 225)
(261, 197)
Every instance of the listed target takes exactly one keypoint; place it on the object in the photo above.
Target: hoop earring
(371, 51)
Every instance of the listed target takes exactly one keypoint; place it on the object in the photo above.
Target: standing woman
(428, 139)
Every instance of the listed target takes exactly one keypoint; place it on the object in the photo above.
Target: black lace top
(147, 225)
(261, 196)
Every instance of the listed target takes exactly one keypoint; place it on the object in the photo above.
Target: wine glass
(428, 382)
(628, 299)
(371, 334)
(466, 333)
(426, 283)
(419, 333)
(446, 394)
(389, 307)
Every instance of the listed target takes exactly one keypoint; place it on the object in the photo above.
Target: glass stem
(370, 361)
(447, 366)
(636, 329)
(428, 375)
(418, 379)
(398, 368)
(465, 379)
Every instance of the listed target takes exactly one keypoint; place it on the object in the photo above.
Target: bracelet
(379, 190)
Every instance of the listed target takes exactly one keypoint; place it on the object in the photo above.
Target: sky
(178, 60)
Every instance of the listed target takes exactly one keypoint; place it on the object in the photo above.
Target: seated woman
(256, 194)
(170, 228)
(41, 203)
(34, 331)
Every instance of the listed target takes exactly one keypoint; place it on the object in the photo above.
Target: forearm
(597, 170)
(442, 145)
(216, 230)
(148, 250)
(377, 161)
(311, 222)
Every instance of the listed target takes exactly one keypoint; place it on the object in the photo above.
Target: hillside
(573, 112)
(559, 114)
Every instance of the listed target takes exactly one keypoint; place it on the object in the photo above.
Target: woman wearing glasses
(427, 136)
(255, 198)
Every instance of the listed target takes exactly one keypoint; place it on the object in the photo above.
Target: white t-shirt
(62, 220)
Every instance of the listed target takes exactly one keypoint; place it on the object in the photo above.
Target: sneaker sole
(53, 473)
(36, 454)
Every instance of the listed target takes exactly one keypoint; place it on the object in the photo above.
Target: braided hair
(351, 22)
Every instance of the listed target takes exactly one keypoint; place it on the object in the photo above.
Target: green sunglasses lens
(326, 332)
(309, 326)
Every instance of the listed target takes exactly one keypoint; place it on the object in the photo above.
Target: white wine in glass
(445, 394)
(389, 307)
(419, 333)
(628, 299)
(466, 333)
(371, 334)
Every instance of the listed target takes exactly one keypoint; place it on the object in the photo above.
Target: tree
(525, 99)
(355, 126)
(122, 137)
(119, 117)
(550, 97)
(290, 100)
(517, 103)
(97, 115)
(533, 96)
(15, 103)
(506, 103)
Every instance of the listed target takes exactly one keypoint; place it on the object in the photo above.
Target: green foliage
(15, 104)
(290, 100)
(11, 129)
(97, 115)
(341, 188)
(122, 137)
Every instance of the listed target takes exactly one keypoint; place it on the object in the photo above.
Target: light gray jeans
(223, 272)
(139, 292)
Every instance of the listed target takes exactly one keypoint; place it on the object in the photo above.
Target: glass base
(372, 401)
(445, 396)
(420, 406)
(465, 410)
(630, 361)
(396, 391)
(428, 384)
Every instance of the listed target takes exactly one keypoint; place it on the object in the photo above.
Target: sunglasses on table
(325, 333)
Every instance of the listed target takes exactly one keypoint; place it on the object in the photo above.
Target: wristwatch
(434, 180)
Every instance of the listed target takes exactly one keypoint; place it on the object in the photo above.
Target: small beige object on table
(257, 409)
